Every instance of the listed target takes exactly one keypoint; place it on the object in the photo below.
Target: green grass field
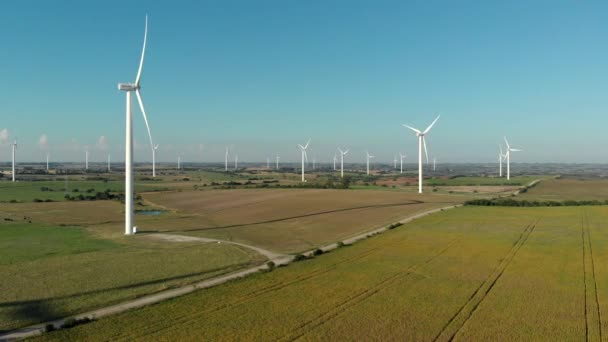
(49, 272)
(474, 273)
(563, 189)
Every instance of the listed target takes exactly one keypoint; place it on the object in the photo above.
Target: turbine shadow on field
(413, 202)
(40, 310)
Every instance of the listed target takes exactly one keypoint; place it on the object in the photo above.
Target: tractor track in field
(594, 304)
(481, 292)
(168, 324)
(361, 296)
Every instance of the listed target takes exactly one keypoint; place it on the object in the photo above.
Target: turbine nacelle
(128, 86)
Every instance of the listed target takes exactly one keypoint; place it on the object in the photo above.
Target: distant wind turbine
(342, 154)
(501, 156)
(129, 88)
(421, 143)
(369, 156)
(395, 162)
(278, 157)
(304, 157)
(154, 149)
(86, 160)
(268, 162)
(14, 149)
(179, 162)
(47, 162)
(508, 155)
(236, 162)
(226, 159)
(402, 156)
(434, 162)
(109, 164)
(335, 158)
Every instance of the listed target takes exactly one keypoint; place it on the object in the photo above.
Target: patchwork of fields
(473, 273)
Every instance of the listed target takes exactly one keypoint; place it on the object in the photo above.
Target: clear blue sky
(266, 75)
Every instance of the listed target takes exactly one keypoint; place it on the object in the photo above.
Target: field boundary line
(587, 246)
(478, 296)
(38, 329)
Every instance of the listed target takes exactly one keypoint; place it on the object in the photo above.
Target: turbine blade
(346, 151)
(143, 112)
(516, 150)
(431, 125)
(143, 51)
(412, 128)
(506, 142)
(301, 147)
(307, 143)
(425, 151)
(339, 149)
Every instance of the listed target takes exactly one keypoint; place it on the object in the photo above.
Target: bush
(395, 225)
(340, 244)
(271, 266)
(317, 252)
(299, 257)
(49, 327)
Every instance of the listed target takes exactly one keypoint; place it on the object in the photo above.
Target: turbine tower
(179, 162)
(278, 161)
(335, 157)
(14, 149)
(402, 156)
(86, 160)
(342, 154)
(129, 88)
(154, 149)
(395, 162)
(304, 157)
(369, 156)
(268, 162)
(236, 162)
(434, 162)
(421, 143)
(226, 159)
(109, 164)
(508, 155)
(47, 162)
(501, 156)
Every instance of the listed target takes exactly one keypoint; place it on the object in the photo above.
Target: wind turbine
(109, 164)
(47, 162)
(179, 162)
(501, 156)
(278, 161)
(86, 160)
(14, 149)
(268, 162)
(304, 156)
(342, 154)
(395, 162)
(434, 162)
(335, 157)
(421, 143)
(508, 155)
(369, 156)
(236, 162)
(314, 162)
(226, 160)
(154, 149)
(402, 156)
(129, 88)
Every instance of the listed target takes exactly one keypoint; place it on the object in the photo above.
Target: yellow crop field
(473, 273)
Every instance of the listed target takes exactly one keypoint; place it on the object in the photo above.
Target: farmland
(474, 273)
(563, 189)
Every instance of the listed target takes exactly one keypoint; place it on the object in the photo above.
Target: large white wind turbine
(421, 143)
(304, 157)
(342, 154)
(14, 149)
(508, 155)
(369, 156)
(402, 156)
(129, 88)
